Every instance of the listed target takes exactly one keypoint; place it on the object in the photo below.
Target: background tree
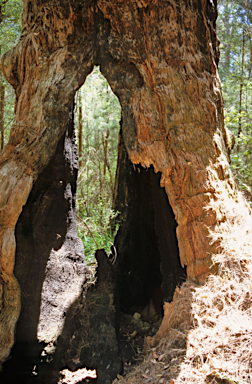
(98, 113)
(235, 68)
(10, 30)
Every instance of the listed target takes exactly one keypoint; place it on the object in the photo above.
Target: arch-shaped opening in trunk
(146, 268)
(147, 254)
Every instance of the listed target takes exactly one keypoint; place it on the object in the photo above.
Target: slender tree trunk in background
(227, 48)
(160, 58)
(80, 133)
(86, 161)
(2, 95)
(105, 150)
(106, 165)
(2, 88)
(250, 50)
(241, 90)
(105, 137)
(248, 32)
(101, 185)
(2, 4)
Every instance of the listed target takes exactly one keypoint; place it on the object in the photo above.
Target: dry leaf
(137, 316)
(76, 361)
(133, 334)
(155, 355)
(145, 376)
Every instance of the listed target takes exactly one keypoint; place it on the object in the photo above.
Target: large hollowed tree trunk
(160, 58)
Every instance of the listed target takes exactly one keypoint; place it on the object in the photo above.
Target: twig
(79, 218)
(115, 256)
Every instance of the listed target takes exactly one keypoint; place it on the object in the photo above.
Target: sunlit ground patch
(69, 377)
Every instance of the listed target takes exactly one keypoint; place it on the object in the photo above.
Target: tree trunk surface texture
(160, 58)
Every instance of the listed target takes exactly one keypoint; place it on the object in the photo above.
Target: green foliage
(10, 31)
(234, 28)
(103, 234)
(10, 27)
(101, 113)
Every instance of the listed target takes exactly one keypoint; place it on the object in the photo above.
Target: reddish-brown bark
(160, 59)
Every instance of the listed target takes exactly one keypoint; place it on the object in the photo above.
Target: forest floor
(133, 332)
(206, 333)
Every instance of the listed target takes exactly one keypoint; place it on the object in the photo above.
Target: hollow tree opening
(147, 265)
(148, 256)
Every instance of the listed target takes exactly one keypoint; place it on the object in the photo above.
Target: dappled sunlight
(220, 343)
(78, 376)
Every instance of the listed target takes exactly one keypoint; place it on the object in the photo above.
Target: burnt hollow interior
(148, 262)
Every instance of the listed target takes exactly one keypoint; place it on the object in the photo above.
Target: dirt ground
(158, 366)
(155, 366)
(142, 363)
